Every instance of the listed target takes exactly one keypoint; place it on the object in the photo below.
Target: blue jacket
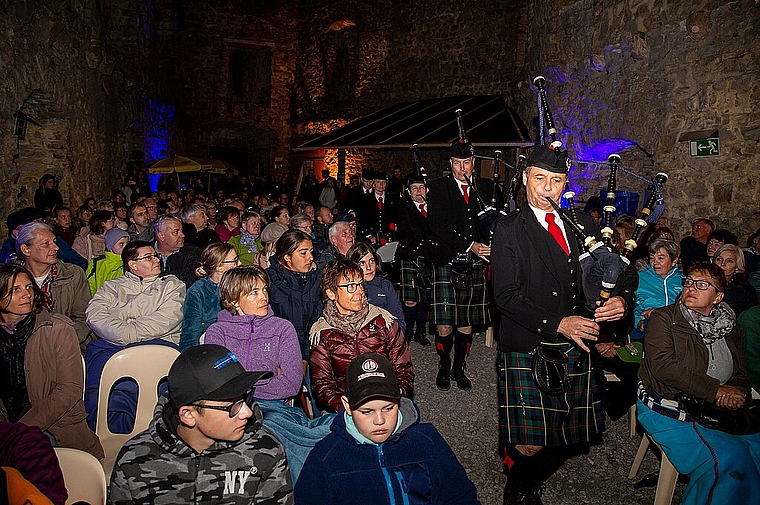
(380, 292)
(297, 298)
(414, 466)
(202, 304)
(655, 292)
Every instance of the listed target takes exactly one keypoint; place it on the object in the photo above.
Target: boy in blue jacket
(379, 452)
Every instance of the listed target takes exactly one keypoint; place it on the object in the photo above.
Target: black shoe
(421, 339)
(463, 382)
(517, 496)
(443, 379)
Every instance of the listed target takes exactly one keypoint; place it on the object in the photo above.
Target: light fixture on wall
(19, 128)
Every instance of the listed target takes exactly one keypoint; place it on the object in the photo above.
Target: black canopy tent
(430, 123)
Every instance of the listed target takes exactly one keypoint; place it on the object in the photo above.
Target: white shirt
(541, 216)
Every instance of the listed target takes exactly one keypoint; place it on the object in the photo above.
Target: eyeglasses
(151, 207)
(233, 261)
(351, 287)
(232, 409)
(701, 285)
(153, 256)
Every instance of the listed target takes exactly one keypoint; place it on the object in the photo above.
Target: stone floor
(468, 421)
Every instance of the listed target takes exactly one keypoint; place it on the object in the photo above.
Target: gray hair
(298, 220)
(160, 223)
(337, 228)
(738, 254)
(189, 211)
(671, 247)
(26, 234)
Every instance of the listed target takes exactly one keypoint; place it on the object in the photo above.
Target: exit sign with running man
(704, 147)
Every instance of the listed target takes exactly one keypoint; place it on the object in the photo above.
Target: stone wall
(643, 74)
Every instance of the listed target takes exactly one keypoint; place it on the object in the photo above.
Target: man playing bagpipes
(538, 290)
(459, 252)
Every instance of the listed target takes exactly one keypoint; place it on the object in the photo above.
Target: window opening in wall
(250, 75)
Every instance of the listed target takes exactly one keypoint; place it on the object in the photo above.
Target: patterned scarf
(349, 324)
(48, 301)
(711, 328)
(249, 241)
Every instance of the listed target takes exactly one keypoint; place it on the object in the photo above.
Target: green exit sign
(705, 147)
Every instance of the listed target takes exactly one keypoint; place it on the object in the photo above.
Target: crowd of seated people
(289, 292)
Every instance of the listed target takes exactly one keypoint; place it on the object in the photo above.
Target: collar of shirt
(378, 196)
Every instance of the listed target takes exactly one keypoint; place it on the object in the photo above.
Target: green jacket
(103, 268)
(246, 258)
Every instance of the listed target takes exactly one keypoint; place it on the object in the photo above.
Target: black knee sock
(443, 347)
(422, 317)
(527, 473)
(462, 344)
(410, 316)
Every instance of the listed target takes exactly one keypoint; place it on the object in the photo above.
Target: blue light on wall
(158, 117)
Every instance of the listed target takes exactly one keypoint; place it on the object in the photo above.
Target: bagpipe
(488, 215)
(601, 263)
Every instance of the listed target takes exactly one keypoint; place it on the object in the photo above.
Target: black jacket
(372, 220)
(413, 233)
(183, 264)
(454, 223)
(535, 284)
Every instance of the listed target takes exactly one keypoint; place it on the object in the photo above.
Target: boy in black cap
(538, 289)
(206, 443)
(378, 424)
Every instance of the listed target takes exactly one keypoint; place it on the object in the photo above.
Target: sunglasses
(232, 409)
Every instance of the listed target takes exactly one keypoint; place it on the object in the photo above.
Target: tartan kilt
(410, 288)
(459, 307)
(529, 417)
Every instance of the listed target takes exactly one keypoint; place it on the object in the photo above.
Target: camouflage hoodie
(156, 466)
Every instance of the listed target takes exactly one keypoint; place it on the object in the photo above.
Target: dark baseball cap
(555, 161)
(370, 376)
(22, 217)
(209, 372)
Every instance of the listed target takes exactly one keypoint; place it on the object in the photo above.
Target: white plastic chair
(666, 481)
(147, 365)
(83, 476)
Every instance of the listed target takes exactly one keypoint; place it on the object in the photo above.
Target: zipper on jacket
(388, 483)
(403, 487)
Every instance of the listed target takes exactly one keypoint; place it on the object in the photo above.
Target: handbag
(549, 366)
(741, 421)
(461, 274)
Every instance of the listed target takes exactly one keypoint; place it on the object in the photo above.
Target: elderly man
(458, 252)
(207, 442)
(152, 207)
(139, 223)
(65, 285)
(195, 226)
(694, 247)
(341, 239)
(176, 257)
(538, 290)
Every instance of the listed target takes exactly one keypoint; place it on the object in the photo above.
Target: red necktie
(465, 193)
(422, 209)
(380, 203)
(555, 232)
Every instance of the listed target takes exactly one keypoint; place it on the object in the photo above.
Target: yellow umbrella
(175, 163)
(215, 166)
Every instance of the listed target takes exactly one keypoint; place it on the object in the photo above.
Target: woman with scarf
(41, 377)
(695, 347)
(229, 223)
(351, 326)
(248, 243)
(740, 295)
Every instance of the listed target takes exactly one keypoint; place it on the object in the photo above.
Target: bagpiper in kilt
(412, 252)
(457, 252)
(537, 288)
